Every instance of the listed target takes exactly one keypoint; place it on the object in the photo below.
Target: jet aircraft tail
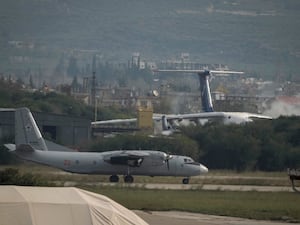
(206, 99)
(203, 75)
(27, 131)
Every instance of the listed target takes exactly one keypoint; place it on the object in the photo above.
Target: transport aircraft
(207, 105)
(30, 145)
(170, 121)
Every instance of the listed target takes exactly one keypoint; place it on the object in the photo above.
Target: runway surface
(186, 218)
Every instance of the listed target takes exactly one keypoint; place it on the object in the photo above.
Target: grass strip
(279, 206)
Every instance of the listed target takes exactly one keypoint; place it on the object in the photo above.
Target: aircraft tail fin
(27, 131)
(206, 99)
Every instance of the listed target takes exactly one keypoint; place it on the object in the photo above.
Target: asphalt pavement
(186, 218)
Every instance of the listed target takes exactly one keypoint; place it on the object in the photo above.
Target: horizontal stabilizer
(201, 71)
(11, 147)
(25, 148)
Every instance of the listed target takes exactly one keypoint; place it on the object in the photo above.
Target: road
(186, 218)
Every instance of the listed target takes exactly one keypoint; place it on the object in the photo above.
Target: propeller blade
(167, 158)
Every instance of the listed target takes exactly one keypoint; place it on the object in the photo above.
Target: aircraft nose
(203, 169)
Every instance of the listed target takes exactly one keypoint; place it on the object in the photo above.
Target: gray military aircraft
(31, 146)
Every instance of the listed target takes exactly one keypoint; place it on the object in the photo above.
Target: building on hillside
(240, 103)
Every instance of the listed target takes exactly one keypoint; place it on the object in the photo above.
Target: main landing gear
(294, 175)
(185, 180)
(115, 179)
(128, 179)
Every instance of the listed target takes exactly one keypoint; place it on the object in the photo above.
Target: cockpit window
(187, 160)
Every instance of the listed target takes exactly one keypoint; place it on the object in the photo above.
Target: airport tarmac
(186, 218)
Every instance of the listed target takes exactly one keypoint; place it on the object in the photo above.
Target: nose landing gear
(294, 174)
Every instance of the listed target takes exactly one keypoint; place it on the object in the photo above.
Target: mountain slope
(248, 34)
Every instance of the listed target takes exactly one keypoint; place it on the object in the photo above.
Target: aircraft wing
(231, 117)
(222, 72)
(194, 116)
(123, 122)
(129, 158)
(20, 148)
(114, 121)
(258, 116)
(155, 117)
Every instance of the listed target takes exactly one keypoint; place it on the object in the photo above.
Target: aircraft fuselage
(97, 163)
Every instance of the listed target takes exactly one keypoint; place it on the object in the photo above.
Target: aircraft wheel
(114, 179)
(128, 179)
(185, 180)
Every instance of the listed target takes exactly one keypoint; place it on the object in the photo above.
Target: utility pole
(93, 93)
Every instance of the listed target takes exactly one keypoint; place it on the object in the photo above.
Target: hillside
(253, 35)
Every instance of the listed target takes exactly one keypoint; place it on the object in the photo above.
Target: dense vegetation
(12, 95)
(262, 145)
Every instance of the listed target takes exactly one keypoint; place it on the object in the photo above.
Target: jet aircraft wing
(227, 117)
(204, 115)
(114, 121)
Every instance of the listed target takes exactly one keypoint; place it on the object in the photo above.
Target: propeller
(167, 158)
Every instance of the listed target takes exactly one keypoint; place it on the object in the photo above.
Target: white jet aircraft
(170, 121)
(30, 145)
(207, 105)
